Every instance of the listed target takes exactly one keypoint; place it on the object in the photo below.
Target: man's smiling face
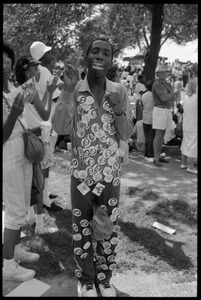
(99, 58)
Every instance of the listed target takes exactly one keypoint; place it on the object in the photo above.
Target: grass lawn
(141, 246)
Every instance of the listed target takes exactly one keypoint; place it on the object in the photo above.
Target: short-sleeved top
(159, 89)
(140, 87)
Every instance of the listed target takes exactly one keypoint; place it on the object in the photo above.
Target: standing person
(113, 75)
(135, 76)
(97, 116)
(189, 141)
(164, 98)
(25, 69)
(58, 70)
(124, 73)
(177, 89)
(39, 51)
(149, 132)
(185, 76)
(140, 88)
(17, 179)
(130, 80)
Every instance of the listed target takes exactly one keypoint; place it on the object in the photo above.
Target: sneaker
(87, 290)
(24, 256)
(157, 163)
(18, 273)
(163, 159)
(149, 159)
(194, 171)
(45, 229)
(183, 166)
(107, 290)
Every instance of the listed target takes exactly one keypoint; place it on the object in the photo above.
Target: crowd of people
(103, 111)
(158, 109)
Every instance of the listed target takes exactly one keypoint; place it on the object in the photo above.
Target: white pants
(17, 181)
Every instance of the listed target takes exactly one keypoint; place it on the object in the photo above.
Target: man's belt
(161, 106)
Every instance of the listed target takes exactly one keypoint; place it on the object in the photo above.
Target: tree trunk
(154, 49)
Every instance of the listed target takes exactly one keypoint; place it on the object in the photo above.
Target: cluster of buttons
(106, 260)
(97, 150)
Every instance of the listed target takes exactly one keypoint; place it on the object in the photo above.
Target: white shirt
(124, 74)
(41, 86)
(148, 106)
(138, 88)
(131, 80)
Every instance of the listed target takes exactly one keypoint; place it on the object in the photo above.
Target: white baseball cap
(38, 49)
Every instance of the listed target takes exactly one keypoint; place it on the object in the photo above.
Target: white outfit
(148, 105)
(41, 86)
(169, 133)
(131, 81)
(189, 141)
(124, 74)
(140, 87)
(140, 137)
(123, 82)
(17, 175)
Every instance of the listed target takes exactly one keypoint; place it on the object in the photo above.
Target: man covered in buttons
(97, 114)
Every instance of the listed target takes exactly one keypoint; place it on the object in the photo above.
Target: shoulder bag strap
(23, 127)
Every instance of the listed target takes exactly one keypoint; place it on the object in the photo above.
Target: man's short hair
(101, 39)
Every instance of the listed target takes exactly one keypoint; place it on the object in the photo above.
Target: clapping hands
(71, 74)
(70, 77)
(18, 104)
(52, 84)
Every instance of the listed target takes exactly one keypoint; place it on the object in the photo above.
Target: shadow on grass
(164, 209)
(176, 209)
(157, 247)
(55, 249)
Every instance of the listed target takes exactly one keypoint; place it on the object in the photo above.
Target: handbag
(101, 223)
(34, 147)
(37, 184)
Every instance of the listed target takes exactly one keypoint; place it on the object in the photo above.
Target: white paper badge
(83, 188)
(98, 189)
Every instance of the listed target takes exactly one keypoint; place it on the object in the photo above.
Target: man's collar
(110, 86)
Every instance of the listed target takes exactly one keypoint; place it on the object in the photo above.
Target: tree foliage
(54, 24)
(71, 27)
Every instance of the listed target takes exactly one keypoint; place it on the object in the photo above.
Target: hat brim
(48, 48)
